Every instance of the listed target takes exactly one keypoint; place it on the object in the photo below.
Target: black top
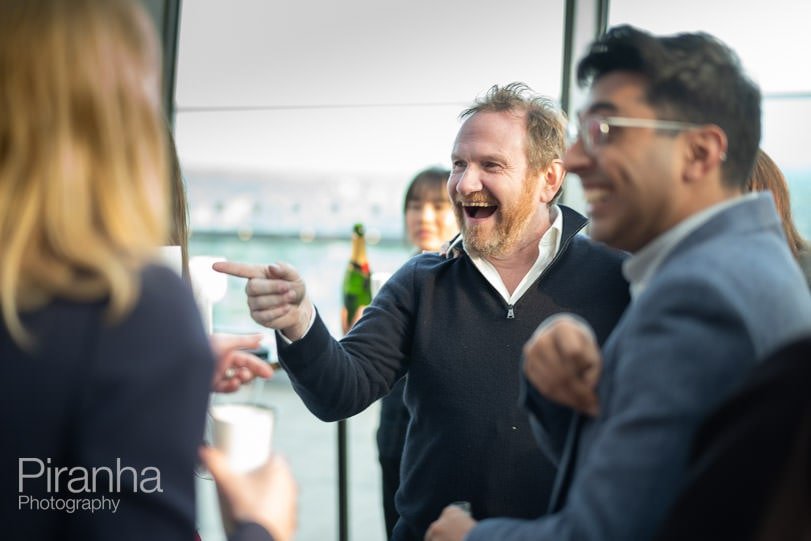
(441, 321)
(394, 419)
(130, 397)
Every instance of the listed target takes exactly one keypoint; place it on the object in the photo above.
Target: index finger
(241, 270)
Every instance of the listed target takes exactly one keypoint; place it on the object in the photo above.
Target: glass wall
(334, 106)
(294, 120)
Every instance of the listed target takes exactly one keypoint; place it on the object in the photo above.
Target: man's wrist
(306, 318)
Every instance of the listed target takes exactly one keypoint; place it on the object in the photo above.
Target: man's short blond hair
(545, 122)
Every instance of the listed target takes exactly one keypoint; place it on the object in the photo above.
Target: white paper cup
(243, 433)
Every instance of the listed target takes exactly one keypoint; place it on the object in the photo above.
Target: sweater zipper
(563, 246)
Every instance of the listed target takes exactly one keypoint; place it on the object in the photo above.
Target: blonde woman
(105, 363)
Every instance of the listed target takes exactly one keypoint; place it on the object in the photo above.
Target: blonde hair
(83, 170)
(767, 176)
(179, 228)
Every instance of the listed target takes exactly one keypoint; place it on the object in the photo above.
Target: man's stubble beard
(509, 227)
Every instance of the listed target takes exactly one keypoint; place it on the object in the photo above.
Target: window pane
(295, 119)
(427, 59)
(771, 38)
(784, 139)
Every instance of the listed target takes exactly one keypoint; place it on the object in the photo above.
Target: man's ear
(552, 180)
(706, 150)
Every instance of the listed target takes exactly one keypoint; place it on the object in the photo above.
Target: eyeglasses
(594, 130)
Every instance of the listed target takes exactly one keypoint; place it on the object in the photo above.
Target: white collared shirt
(548, 248)
(640, 268)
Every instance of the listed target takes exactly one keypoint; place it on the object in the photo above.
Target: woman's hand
(236, 367)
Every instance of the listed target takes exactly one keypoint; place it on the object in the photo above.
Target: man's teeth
(479, 204)
(595, 195)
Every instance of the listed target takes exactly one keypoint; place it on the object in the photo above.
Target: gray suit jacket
(724, 298)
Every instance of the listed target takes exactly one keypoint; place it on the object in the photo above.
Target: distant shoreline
(235, 235)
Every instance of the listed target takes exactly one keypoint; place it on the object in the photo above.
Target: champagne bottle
(357, 280)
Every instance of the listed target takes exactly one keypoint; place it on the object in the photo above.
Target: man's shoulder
(423, 269)
(598, 260)
(753, 280)
(431, 263)
(720, 250)
(591, 248)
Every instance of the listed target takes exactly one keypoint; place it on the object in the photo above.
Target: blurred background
(296, 119)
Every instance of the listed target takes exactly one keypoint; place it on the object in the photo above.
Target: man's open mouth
(479, 210)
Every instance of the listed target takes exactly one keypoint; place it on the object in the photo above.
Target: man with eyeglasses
(665, 144)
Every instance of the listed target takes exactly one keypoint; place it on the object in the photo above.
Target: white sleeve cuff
(567, 315)
(287, 341)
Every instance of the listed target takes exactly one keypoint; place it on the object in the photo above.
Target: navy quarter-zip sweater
(439, 320)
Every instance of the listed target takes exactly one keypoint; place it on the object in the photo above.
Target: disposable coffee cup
(243, 433)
